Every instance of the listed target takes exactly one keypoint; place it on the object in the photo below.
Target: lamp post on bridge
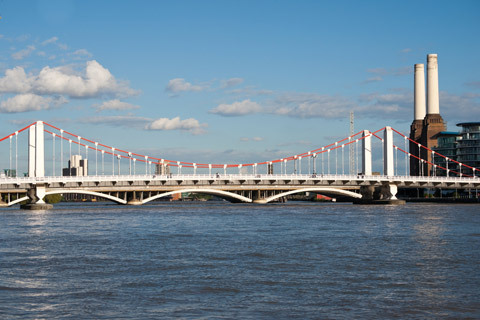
(69, 159)
(96, 157)
(309, 160)
(113, 161)
(130, 163)
(103, 162)
(322, 160)
(118, 158)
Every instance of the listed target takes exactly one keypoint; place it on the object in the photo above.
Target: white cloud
(180, 85)
(23, 37)
(461, 108)
(406, 50)
(115, 121)
(30, 102)
(251, 91)
(474, 84)
(372, 79)
(115, 105)
(51, 40)
(246, 139)
(230, 82)
(379, 71)
(192, 125)
(238, 108)
(308, 105)
(95, 81)
(82, 53)
(15, 81)
(397, 105)
(22, 54)
(401, 71)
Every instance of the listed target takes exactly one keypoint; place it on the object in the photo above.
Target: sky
(231, 81)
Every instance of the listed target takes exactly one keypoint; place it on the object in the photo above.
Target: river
(215, 260)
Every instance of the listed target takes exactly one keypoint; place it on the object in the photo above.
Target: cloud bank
(94, 81)
(30, 102)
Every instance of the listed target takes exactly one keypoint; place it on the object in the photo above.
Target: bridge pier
(385, 194)
(132, 198)
(388, 195)
(36, 195)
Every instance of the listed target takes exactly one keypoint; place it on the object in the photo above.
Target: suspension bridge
(47, 154)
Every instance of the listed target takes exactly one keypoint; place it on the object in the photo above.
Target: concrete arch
(316, 190)
(93, 193)
(219, 193)
(14, 202)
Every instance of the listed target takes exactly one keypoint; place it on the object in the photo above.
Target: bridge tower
(36, 167)
(36, 153)
(367, 153)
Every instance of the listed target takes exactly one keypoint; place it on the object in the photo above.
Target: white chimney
(419, 102)
(432, 85)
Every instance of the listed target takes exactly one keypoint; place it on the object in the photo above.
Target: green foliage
(53, 198)
(201, 196)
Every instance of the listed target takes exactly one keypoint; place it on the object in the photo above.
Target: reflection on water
(217, 260)
(431, 255)
(35, 221)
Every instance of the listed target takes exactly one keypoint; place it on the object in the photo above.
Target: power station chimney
(419, 88)
(433, 106)
(425, 127)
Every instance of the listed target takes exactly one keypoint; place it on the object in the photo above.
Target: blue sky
(231, 81)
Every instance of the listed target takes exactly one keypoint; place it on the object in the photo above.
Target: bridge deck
(233, 182)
